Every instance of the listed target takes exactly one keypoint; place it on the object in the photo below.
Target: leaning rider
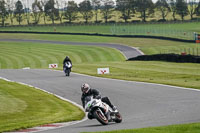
(87, 91)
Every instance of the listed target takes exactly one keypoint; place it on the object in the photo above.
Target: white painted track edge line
(139, 82)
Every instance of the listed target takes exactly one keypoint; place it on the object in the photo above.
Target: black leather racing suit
(95, 93)
(67, 59)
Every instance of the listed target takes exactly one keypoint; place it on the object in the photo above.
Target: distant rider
(87, 91)
(66, 60)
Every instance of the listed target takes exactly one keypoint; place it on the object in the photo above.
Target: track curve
(128, 51)
(141, 104)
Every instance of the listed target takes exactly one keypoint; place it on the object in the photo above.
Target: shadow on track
(95, 125)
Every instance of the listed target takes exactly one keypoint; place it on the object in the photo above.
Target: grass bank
(184, 128)
(107, 28)
(16, 55)
(24, 107)
(175, 30)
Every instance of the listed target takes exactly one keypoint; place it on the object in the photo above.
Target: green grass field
(107, 28)
(23, 107)
(15, 55)
(175, 30)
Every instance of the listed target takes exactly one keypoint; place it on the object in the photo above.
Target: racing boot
(114, 108)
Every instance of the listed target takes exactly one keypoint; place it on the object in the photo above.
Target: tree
(43, 3)
(181, 8)
(60, 6)
(145, 7)
(163, 7)
(126, 7)
(85, 9)
(96, 4)
(19, 11)
(133, 5)
(3, 12)
(72, 11)
(10, 7)
(107, 9)
(198, 9)
(172, 4)
(51, 11)
(27, 14)
(192, 6)
(37, 11)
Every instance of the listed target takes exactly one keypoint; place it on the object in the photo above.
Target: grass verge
(24, 107)
(184, 128)
(177, 74)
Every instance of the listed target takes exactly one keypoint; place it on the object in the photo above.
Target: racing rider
(67, 59)
(87, 91)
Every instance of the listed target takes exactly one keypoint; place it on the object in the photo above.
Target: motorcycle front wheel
(99, 115)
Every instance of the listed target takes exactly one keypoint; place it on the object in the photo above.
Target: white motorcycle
(67, 68)
(101, 111)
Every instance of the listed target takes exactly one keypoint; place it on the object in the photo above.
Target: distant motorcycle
(101, 111)
(67, 68)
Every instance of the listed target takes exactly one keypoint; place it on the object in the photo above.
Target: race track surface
(141, 104)
(128, 51)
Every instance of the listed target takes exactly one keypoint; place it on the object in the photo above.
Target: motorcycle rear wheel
(100, 117)
(67, 72)
(118, 118)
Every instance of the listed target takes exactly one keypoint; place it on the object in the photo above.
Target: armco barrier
(106, 35)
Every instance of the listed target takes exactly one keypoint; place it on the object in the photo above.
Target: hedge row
(168, 57)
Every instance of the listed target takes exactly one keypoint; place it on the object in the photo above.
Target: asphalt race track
(141, 104)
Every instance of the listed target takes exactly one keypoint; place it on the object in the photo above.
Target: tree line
(69, 10)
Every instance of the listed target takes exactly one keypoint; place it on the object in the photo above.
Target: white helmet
(85, 88)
